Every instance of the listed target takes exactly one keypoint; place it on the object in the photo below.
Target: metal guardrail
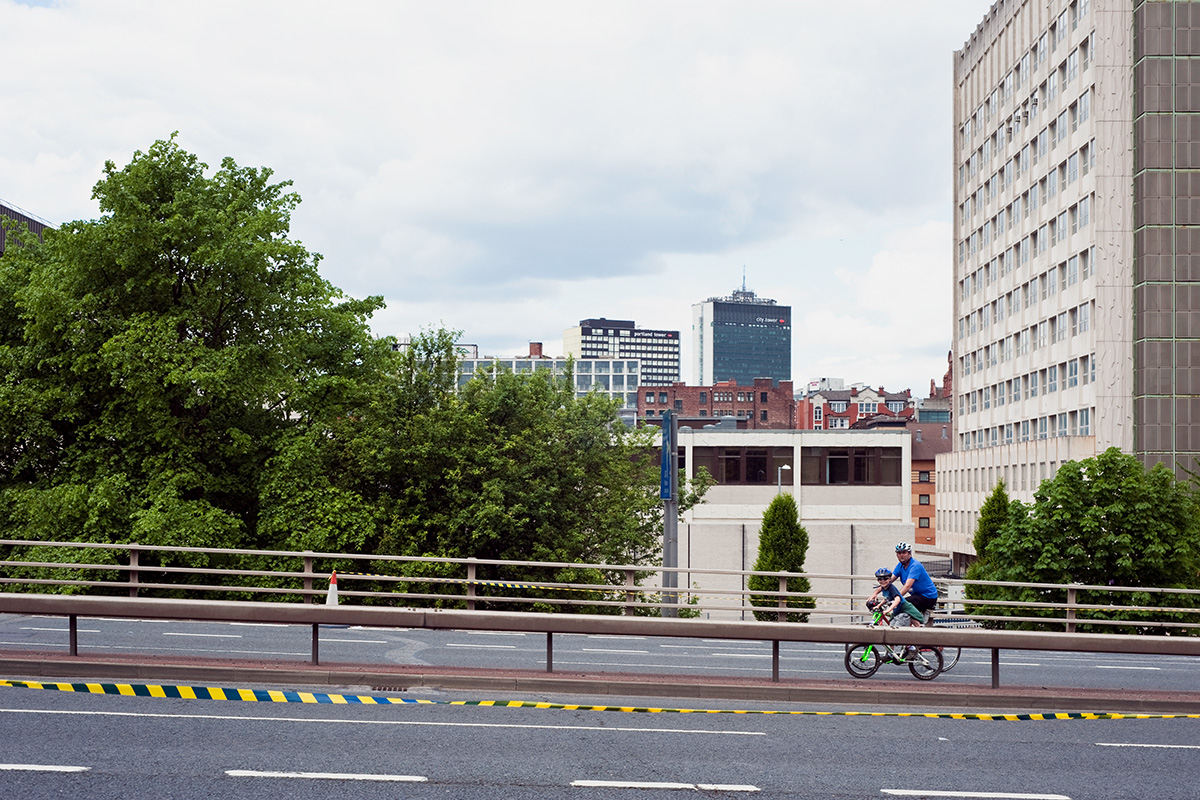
(442, 619)
(633, 595)
(125, 568)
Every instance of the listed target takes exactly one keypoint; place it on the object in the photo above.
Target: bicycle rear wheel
(925, 664)
(862, 660)
(950, 656)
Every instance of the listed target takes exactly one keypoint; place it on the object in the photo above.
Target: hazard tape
(277, 696)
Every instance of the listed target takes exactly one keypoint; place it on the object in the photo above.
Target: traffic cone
(331, 596)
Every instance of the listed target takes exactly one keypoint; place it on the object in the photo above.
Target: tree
(153, 359)
(992, 518)
(782, 547)
(1100, 521)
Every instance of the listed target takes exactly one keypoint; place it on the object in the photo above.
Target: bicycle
(950, 655)
(864, 660)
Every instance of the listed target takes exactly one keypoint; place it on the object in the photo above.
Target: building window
(762, 415)
(662, 397)
(845, 466)
(763, 397)
(923, 522)
(649, 397)
(679, 405)
(704, 398)
(745, 465)
(923, 476)
(923, 500)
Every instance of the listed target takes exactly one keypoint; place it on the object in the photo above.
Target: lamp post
(779, 476)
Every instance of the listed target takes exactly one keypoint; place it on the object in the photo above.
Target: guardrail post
(782, 613)
(73, 635)
(471, 585)
(1071, 595)
(308, 576)
(630, 595)
(549, 651)
(995, 667)
(316, 644)
(133, 570)
(775, 661)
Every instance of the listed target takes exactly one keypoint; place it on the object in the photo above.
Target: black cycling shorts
(923, 604)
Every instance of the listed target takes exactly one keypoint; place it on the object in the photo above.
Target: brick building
(763, 405)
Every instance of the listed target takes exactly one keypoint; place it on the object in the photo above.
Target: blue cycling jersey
(922, 583)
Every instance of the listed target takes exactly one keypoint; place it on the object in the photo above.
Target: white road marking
(705, 787)
(493, 633)
(1107, 666)
(1004, 795)
(742, 655)
(41, 768)
(205, 635)
(413, 723)
(627, 638)
(61, 630)
(629, 652)
(329, 776)
(261, 624)
(1165, 746)
(485, 646)
(1008, 663)
(356, 641)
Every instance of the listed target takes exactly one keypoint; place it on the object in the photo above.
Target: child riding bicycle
(893, 602)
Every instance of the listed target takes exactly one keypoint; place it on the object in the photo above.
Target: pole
(779, 476)
(669, 493)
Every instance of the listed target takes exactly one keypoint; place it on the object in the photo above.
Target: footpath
(875, 693)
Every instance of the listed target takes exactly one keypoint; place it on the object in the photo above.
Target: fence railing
(150, 571)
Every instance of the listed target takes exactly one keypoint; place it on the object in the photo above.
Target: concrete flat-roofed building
(1077, 234)
(656, 350)
(619, 378)
(739, 338)
(853, 490)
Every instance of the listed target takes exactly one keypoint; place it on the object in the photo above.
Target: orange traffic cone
(331, 596)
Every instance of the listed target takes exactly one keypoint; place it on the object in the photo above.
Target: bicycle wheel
(925, 664)
(950, 656)
(862, 660)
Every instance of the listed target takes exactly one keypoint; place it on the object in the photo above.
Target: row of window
(1076, 62)
(819, 466)
(1049, 331)
(1070, 423)
(1017, 477)
(1068, 374)
(718, 397)
(1041, 288)
(1068, 222)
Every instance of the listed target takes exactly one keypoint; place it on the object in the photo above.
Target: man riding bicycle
(915, 583)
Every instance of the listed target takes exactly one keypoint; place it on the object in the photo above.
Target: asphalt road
(649, 655)
(57, 744)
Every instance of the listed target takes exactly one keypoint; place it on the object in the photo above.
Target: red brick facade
(762, 405)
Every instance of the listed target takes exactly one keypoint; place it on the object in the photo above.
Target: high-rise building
(740, 338)
(658, 351)
(1077, 245)
(35, 224)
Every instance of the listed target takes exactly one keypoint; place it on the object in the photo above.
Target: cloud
(510, 168)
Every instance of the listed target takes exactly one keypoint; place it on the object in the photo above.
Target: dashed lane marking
(328, 776)
(278, 696)
(40, 768)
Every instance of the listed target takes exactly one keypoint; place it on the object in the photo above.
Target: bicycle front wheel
(862, 660)
(950, 656)
(925, 664)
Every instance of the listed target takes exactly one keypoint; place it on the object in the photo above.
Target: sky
(509, 168)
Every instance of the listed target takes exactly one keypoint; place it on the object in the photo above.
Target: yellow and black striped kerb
(278, 696)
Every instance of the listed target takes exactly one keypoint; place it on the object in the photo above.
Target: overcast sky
(509, 168)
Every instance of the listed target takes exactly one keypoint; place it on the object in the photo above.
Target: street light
(779, 475)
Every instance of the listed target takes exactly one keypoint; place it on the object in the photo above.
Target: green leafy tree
(992, 518)
(1100, 521)
(152, 360)
(782, 547)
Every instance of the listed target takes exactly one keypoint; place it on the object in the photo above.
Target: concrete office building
(657, 351)
(853, 490)
(1077, 229)
(740, 338)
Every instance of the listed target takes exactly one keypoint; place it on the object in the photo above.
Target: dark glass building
(740, 338)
